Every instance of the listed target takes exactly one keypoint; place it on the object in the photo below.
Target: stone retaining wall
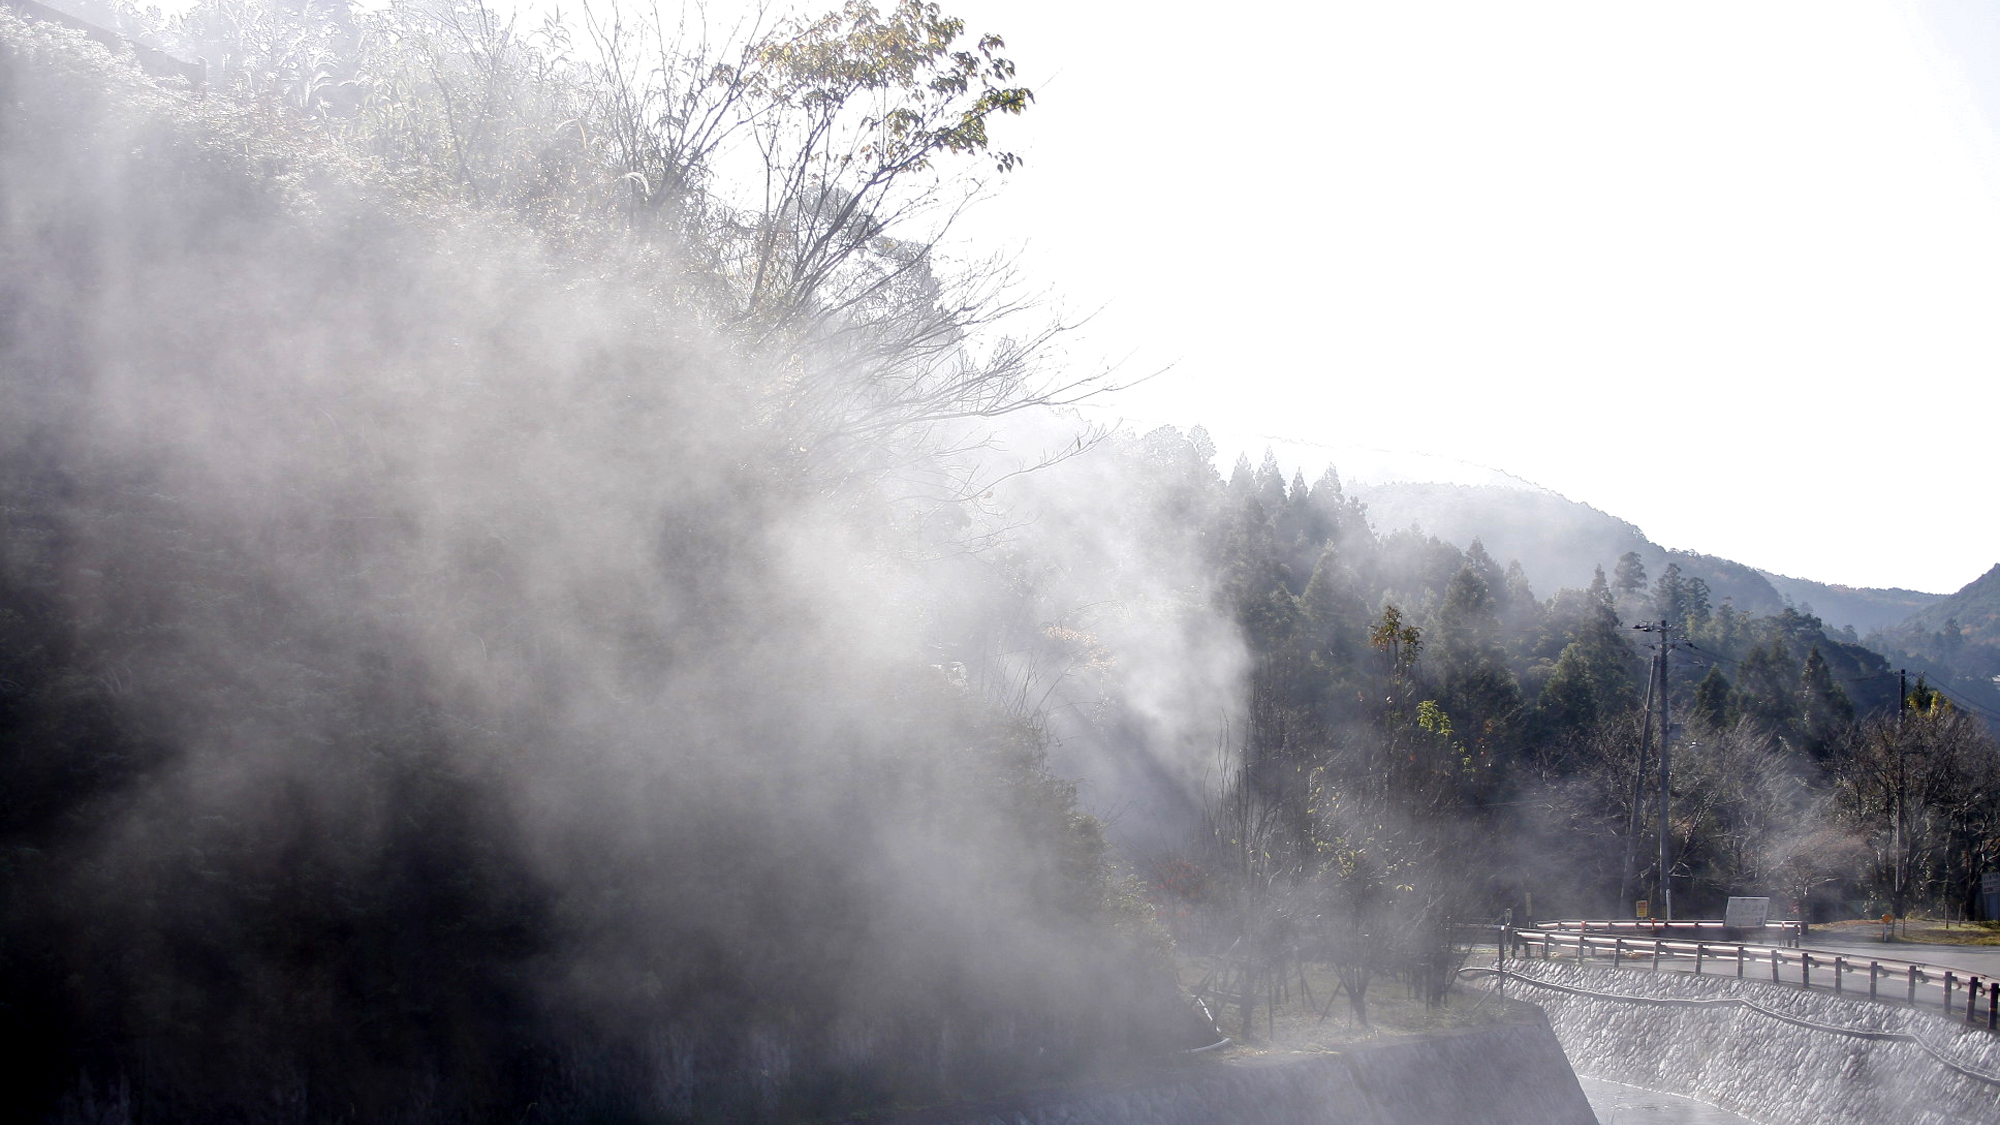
(1757, 1064)
(1500, 1074)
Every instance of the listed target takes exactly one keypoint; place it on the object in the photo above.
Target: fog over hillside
(1558, 541)
(502, 620)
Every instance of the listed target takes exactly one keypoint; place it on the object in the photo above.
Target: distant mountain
(1976, 608)
(1865, 609)
(1954, 642)
(1558, 541)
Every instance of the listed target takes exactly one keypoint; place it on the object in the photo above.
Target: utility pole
(1665, 645)
(1639, 786)
(1896, 863)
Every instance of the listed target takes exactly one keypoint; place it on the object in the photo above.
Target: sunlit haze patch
(1722, 270)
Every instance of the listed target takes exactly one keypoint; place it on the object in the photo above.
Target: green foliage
(1824, 709)
(1631, 573)
(1542, 701)
(1714, 702)
(1471, 666)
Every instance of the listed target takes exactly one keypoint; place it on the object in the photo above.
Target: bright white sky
(1728, 270)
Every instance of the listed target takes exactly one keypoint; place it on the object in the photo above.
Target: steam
(497, 596)
(463, 667)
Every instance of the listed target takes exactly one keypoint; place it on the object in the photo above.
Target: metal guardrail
(1921, 985)
(1789, 931)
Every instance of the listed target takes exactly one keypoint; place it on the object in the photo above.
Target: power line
(1721, 659)
(1961, 704)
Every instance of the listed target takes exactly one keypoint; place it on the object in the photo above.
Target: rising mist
(495, 625)
(451, 677)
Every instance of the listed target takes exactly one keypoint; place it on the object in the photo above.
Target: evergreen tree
(1824, 708)
(1766, 689)
(1342, 519)
(1630, 576)
(1332, 609)
(1301, 532)
(1242, 479)
(1482, 563)
(1694, 602)
(1596, 675)
(1670, 596)
(1714, 703)
(1600, 591)
(1477, 686)
(1204, 445)
(1726, 629)
(1593, 680)
(1520, 612)
(1270, 481)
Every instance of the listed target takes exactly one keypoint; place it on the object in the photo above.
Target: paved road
(1618, 1104)
(1980, 960)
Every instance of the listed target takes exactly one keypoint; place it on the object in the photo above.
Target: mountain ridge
(1558, 541)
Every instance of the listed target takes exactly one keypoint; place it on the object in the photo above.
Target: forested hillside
(532, 590)
(1558, 540)
(1970, 616)
(1865, 610)
(1957, 640)
(1396, 680)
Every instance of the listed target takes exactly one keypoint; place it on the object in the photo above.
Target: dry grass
(1931, 931)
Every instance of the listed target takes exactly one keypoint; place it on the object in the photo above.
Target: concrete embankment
(1779, 1055)
(1499, 1073)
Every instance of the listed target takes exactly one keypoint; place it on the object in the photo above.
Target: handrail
(1582, 944)
(1791, 929)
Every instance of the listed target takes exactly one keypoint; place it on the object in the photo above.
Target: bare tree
(1923, 788)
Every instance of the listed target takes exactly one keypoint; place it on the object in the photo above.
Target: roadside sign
(1747, 913)
(1989, 883)
(1640, 907)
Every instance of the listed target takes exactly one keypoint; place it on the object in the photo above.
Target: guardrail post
(1947, 992)
(1805, 970)
(1699, 949)
(1656, 955)
(1774, 964)
(1993, 1006)
(1839, 968)
(1739, 960)
(1618, 951)
(1873, 967)
(1971, 998)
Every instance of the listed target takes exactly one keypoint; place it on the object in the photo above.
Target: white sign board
(1746, 913)
(1989, 883)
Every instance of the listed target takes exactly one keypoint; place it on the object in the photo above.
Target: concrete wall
(1757, 1064)
(1502, 1073)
